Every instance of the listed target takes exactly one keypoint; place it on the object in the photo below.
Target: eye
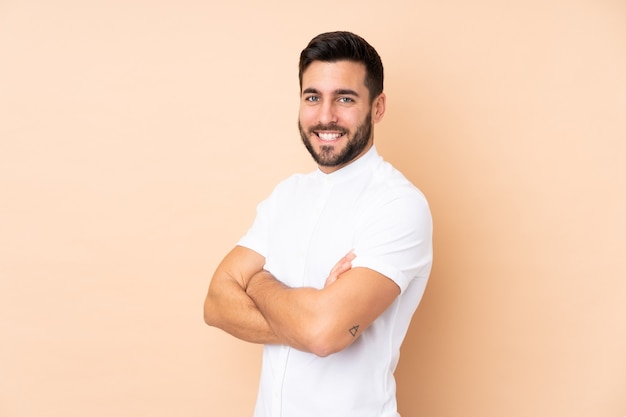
(346, 100)
(312, 99)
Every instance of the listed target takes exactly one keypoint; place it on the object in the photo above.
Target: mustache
(333, 126)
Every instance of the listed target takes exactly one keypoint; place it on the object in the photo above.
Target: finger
(347, 258)
(342, 266)
(338, 270)
(350, 255)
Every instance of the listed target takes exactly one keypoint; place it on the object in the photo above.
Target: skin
(249, 302)
(334, 96)
(230, 308)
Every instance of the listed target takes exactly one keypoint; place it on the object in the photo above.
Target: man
(336, 261)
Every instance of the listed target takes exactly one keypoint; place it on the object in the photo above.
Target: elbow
(323, 347)
(323, 350)
(210, 316)
(208, 319)
(325, 330)
(324, 340)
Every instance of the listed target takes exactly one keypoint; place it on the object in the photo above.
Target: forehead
(334, 75)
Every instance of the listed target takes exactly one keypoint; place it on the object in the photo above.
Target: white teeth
(328, 136)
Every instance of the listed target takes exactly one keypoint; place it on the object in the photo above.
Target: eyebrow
(339, 92)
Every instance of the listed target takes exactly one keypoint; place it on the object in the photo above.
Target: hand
(340, 267)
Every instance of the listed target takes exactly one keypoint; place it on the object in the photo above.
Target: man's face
(336, 118)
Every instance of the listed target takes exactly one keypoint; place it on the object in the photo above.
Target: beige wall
(137, 137)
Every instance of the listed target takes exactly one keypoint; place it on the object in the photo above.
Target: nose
(327, 114)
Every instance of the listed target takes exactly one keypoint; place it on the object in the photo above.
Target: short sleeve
(394, 237)
(257, 236)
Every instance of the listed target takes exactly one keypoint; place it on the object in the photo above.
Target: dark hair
(339, 46)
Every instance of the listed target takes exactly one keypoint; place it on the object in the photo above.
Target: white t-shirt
(305, 226)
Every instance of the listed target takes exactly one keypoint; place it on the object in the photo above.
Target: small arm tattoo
(353, 330)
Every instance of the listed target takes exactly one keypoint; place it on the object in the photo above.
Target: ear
(378, 108)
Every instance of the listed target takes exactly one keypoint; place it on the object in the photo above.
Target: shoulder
(389, 184)
(391, 202)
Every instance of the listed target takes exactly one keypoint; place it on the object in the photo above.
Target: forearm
(232, 310)
(228, 307)
(302, 317)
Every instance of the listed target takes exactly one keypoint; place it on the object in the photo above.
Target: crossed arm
(250, 304)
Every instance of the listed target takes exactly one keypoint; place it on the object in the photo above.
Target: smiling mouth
(328, 137)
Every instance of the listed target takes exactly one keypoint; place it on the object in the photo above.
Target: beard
(327, 156)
